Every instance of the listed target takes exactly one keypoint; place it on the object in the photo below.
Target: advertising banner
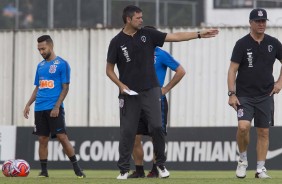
(186, 148)
(7, 142)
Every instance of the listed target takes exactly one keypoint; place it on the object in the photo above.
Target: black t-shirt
(134, 57)
(256, 61)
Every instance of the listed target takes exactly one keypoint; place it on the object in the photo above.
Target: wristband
(199, 35)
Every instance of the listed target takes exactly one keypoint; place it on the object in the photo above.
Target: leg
(243, 139)
(138, 153)
(243, 135)
(129, 118)
(151, 104)
(69, 151)
(43, 155)
(43, 147)
(262, 143)
(68, 148)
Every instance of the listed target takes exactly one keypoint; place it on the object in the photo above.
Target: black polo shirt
(134, 57)
(256, 61)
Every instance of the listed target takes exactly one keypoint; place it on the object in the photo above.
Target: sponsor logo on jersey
(56, 62)
(52, 68)
(250, 59)
(125, 53)
(46, 84)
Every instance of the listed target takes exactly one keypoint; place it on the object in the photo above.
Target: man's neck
(52, 57)
(257, 37)
(129, 30)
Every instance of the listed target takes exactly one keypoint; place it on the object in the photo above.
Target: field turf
(176, 177)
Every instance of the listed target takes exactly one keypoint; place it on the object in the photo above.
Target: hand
(208, 33)
(55, 112)
(164, 91)
(26, 111)
(276, 89)
(233, 101)
(123, 87)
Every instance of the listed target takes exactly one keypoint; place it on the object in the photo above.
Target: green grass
(176, 177)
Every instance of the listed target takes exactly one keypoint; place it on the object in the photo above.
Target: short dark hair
(129, 11)
(46, 38)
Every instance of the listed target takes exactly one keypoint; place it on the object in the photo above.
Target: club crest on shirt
(143, 39)
(240, 113)
(52, 68)
(270, 48)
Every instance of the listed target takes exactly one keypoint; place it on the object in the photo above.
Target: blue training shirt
(50, 76)
(163, 60)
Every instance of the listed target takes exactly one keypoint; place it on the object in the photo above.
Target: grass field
(176, 177)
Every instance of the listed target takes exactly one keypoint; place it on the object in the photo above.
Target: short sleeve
(112, 52)
(237, 54)
(36, 80)
(65, 73)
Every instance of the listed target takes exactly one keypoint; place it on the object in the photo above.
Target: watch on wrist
(199, 34)
(230, 93)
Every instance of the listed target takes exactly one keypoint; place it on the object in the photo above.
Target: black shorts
(143, 123)
(45, 125)
(261, 109)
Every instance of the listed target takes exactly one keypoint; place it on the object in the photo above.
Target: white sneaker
(241, 169)
(262, 174)
(123, 176)
(163, 172)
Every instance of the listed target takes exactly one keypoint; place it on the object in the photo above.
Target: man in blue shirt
(52, 85)
(163, 60)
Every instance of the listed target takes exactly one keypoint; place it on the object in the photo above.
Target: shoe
(123, 175)
(136, 174)
(262, 174)
(43, 174)
(153, 174)
(163, 172)
(241, 169)
(80, 174)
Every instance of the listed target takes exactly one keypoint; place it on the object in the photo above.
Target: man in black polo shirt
(133, 51)
(252, 96)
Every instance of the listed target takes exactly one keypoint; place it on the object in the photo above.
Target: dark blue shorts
(45, 125)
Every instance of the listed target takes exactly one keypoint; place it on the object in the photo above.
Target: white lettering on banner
(7, 142)
(110, 151)
(148, 151)
(183, 151)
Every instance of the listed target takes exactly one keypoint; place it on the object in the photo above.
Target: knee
(263, 133)
(243, 129)
(62, 138)
(43, 141)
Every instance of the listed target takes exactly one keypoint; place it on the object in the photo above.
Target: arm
(233, 69)
(112, 75)
(30, 101)
(185, 36)
(278, 84)
(179, 73)
(63, 94)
